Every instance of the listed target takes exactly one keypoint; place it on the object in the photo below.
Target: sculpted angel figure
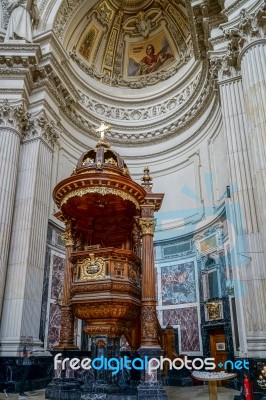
(143, 25)
(24, 16)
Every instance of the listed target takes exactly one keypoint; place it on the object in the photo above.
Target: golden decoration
(91, 268)
(101, 190)
(147, 226)
(88, 160)
(67, 237)
(111, 161)
(214, 310)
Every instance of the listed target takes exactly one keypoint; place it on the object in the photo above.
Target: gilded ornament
(214, 310)
(101, 190)
(111, 161)
(88, 160)
(68, 238)
(147, 226)
(91, 268)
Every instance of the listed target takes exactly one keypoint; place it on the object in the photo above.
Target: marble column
(248, 39)
(23, 290)
(11, 114)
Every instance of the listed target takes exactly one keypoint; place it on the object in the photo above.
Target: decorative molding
(63, 17)
(199, 98)
(143, 113)
(5, 13)
(23, 54)
(100, 190)
(140, 82)
(235, 6)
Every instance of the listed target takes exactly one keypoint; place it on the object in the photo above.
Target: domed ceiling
(139, 65)
(124, 42)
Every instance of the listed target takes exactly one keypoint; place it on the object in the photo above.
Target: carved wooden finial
(147, 180)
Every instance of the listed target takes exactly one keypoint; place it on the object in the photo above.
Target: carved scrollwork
(149, 322)
(67, 325)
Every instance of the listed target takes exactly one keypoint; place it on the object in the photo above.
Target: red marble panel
(187, 318)
(57, 277)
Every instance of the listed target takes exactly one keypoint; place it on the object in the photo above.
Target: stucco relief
(142, 113)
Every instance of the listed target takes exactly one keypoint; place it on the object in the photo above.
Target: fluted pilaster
(248, 41)
(11, 115)
(22, 300)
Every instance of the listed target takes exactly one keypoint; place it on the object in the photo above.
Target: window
(211, 283)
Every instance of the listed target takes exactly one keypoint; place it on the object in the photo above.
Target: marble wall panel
(187, 318)
(57, 277)
(178, 284)
(45, 293)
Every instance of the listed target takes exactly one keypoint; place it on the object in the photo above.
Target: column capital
(250, 29)
(39, 125)
(12, 114)
(147, 226)
(223, 66)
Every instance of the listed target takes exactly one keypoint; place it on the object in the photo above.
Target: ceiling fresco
(123, 42)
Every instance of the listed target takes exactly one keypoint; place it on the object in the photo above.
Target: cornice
(238, 5)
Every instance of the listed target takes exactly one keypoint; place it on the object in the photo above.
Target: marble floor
(173, 392)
